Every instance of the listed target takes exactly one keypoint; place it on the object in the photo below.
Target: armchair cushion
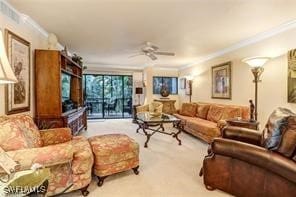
(142, 108)
(11, 136)
(188, 109)
(275, 128)
(55, 136)
(47, 156)
(155, 107)
(30, 130)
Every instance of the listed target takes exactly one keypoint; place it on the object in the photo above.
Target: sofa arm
(242, 134)
(221, 124)
(55, 136)
(257, 156)
(46, 156)
(142, 108)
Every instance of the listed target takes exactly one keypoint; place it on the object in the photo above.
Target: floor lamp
(256, 64)
(6, 76)
(190, 81)
(139, 91)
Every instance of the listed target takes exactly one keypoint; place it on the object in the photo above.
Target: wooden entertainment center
(51, 109)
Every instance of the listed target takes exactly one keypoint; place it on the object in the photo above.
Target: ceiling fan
(151, 51)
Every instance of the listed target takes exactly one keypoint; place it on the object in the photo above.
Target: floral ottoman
(114, 153)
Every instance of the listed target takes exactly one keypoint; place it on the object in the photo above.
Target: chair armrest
(257, 156)
(142, 108)
(55, 136)
(46, 156)
(242, 134)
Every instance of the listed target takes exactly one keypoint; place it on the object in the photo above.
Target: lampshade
(139, 90)
(256, 62)
(6, 72)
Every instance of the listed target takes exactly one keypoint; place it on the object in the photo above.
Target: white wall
(37, 40)
(272, 89)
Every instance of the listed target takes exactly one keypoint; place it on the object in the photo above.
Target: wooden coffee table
(151, 125)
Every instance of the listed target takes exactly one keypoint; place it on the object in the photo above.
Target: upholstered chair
(247, 162)
(69, 158)
(154, 107)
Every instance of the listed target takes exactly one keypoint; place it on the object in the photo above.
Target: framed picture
(183, 83)
(292, 76)
(18, 94)
(221, 81)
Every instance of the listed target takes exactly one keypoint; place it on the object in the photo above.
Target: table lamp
(6, 72)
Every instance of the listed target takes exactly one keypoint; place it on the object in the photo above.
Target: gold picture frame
(18, 95)
(221, 81)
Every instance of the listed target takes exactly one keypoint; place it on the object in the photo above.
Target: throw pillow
(215, 113)
(188, 109)
(11, 136)
(202, 110)
(275, 128)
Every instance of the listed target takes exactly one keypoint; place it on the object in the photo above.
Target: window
(170, 82)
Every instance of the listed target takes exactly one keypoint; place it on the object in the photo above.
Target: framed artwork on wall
(292, 76)
(221, 81)
(18, 95)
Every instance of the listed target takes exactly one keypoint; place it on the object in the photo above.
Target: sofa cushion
(204, 127)
(202, 110)
(11, 136)
(188, 109)
(215, 113)
(231, 112)
(279, 133)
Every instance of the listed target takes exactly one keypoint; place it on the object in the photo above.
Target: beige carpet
(166, 169)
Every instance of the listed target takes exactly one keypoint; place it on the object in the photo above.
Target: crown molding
(31, 22)
(249, 41)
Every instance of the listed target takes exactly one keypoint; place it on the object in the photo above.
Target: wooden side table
(243, 123)
(168, 105)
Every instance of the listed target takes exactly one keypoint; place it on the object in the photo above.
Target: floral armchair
(69, 158)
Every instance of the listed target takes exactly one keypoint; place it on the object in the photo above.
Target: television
(66, 87)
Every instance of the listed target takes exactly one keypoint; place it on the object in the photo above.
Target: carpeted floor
(166, 169)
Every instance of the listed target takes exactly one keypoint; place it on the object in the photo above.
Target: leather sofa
(68, 157)
(205, 120)
(246, 162)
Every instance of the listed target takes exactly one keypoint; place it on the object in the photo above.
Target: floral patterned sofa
(205, 120)
(69, 158)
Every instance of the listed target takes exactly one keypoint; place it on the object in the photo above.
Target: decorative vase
(164, 91)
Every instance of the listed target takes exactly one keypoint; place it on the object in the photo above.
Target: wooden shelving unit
(49, 66)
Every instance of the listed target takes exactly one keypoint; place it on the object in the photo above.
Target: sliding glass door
(108, 96)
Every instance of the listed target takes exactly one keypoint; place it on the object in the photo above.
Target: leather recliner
(246, 162)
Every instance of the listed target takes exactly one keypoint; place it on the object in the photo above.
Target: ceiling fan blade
(135, 55)
(149, 44)
(152, 56)
(164, 53)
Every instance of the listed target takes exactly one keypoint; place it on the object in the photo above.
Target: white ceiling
(107, 32)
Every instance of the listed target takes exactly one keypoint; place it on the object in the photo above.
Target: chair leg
(201, 172)
(210, 188)
(84, 191)
(136, 170)
(101, 180)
